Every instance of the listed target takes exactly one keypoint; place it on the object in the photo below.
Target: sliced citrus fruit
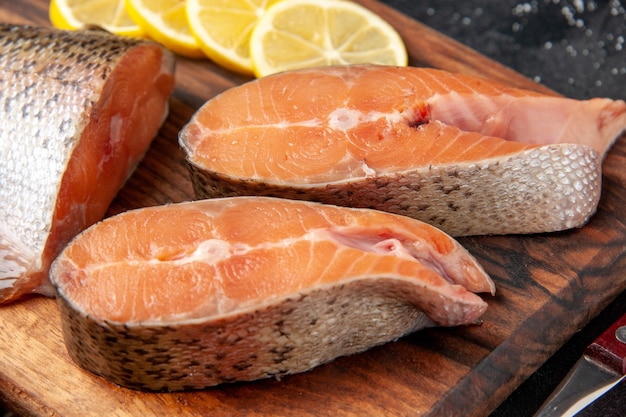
(165, 22)
(109, 14)
(305, 33)
(223, 28)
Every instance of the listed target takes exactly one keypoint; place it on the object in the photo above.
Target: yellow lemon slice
(109, 14)
(223, 28)
(305, 33)
(165, 22)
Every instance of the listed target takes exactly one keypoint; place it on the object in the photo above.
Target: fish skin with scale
(74, 123)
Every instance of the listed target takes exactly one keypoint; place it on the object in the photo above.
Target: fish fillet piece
(462, 153)
(78, 110)
(199, 293)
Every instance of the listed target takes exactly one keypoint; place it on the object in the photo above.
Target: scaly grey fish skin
(169, 358)
(50, 82)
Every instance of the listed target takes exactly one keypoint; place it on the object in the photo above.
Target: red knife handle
(609, 349)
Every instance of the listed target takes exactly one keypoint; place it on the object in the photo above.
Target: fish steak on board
(201, 293)
(463, 153)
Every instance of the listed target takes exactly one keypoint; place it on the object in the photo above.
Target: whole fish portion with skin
(78, 110)
(463, 153)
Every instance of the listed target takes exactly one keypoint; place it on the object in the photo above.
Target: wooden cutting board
(549, 286)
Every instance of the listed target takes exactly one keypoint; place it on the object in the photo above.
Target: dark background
(575, 47)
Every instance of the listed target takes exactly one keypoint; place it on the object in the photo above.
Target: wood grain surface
(549, 286)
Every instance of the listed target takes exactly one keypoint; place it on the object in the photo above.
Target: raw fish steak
(200, 293)
(462, 153)
(78, 110)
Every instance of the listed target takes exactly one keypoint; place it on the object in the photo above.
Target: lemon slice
(165, 22)
(223, 28)
(109, 14)
(305, 33)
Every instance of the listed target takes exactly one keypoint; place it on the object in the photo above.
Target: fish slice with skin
(463, 153)
(201, 293)
(78, 110)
